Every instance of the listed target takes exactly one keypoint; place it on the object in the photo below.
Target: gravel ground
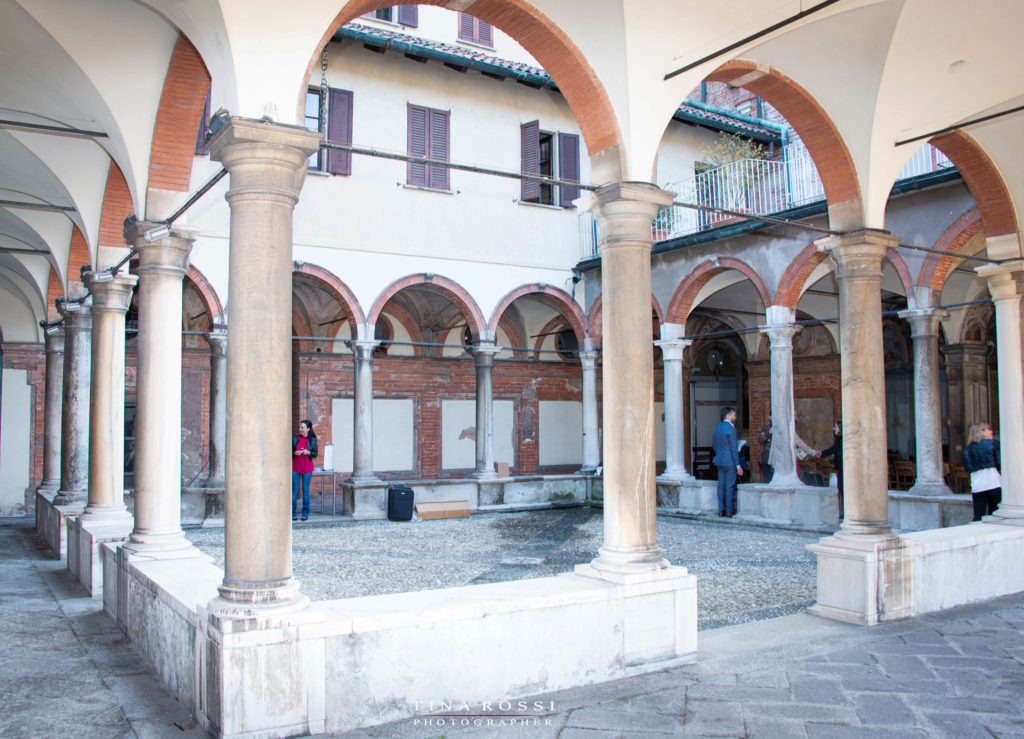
(744, 573)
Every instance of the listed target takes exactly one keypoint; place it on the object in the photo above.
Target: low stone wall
(340, 665)
(922, 512)
(52, 522)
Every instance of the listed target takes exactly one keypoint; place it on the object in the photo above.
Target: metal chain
(323, 90)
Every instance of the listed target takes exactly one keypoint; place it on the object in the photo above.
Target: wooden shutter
(568, 167)
(438, 137)
(416, 174)
(484, 36)
(339, 130)
(409, 15)
(529, 138)
(467, 27)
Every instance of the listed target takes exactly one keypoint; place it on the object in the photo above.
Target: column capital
(672, 349)
(55, 341)
(625, 211)
(218, 340)
(780, 335)
(588, 358)
(858, 253)
(77, 316)
(363, 348)
(168, 254)
(924, 322)
(483, 353)
(110, 294)
(1002, 279)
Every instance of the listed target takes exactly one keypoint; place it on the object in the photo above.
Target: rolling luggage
(400, 502)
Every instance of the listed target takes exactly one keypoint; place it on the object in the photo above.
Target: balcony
(751, 187)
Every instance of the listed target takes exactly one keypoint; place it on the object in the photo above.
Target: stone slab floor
(65, 670)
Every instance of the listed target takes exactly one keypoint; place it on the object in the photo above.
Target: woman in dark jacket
(304, 451)
(981, 459)
(836, 452)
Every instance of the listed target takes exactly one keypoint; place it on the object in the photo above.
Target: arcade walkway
(65, 670)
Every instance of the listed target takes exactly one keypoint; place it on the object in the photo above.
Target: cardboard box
(501, 468)
(443, 509)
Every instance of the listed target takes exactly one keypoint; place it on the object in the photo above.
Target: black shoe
(305, 517)
(721, 514)
(295, 518)
(730, 515)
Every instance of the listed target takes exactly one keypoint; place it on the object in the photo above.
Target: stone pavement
(66, 671)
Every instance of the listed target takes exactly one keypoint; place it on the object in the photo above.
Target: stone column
(218, 339)
(74, 443)
(675, 442)
(857, 257)
(924, 328)
(362, 412)
(267, 167)
(780, 332)
(966, 392)
(625, 211)
(1004, 286)
(51, 419)
(161, 269)
(110, 300)
(483, 357)
(591, 430)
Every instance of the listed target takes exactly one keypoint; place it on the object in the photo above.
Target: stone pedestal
(483, 357)
(105, 518)
(1004, 284)
(924, 328)
(267, 166)
(624, 212)
(780, 333)
(591, 425)
(218, 339)
(675, 438)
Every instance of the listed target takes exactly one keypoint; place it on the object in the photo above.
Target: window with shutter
(311, 120)
(529, 137)
(475, 31)
(384, 14)
(549, 155)
(428, 136)
(409, 15)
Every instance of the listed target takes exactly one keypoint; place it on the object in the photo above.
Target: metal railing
(754, 186)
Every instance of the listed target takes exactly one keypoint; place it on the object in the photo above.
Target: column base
(86, 536)
(863, 579)
(240, 602)
(485, 475)
(615, 562)
(172, 545)
(789, 481)
(671, 476)
(71, 497)
(1010, 515)
(930, 488)
(857, 530)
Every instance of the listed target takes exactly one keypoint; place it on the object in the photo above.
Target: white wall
(394, 447)
(458, 419)
(561, 432)
(16, 422)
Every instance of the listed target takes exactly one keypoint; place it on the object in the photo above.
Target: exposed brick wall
(936, 267)
(177, 119)
(552, 49)
(982, 179)
(31, 357)
(320, 378)
(117, 205)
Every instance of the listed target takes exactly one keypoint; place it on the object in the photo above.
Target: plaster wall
(458, 433)
(15, 448)
(393, 430)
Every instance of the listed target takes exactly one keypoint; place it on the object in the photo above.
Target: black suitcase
(400, 503)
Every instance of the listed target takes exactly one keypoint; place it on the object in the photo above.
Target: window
(547, 154)
(338, 127)
(428, 137)
(407, 15)
(475, 31)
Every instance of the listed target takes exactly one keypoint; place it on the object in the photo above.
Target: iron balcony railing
(753, 186)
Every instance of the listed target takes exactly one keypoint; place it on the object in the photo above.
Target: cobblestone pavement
(744, 573)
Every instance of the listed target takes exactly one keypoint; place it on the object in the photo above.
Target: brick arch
(791, 286)
(78, 256)
(117, 205)
(300, 327)
(938, 267)
(207, 293)
(808, 119)
(563, 303)
(177, 120)
(341, 292)
(595, 312)
(514, 335)
(982, 179)
(538, 34)
(682, 300)
(451, 289)
(902, 270)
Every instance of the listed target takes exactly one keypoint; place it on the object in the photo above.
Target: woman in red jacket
(304, 451)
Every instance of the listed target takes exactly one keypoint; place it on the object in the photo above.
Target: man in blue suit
(727, 460)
